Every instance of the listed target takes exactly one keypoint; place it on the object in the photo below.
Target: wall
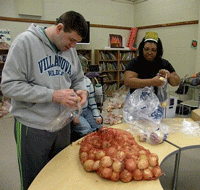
(104, 12)
(176, 39)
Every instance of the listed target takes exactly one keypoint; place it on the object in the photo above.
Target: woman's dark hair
(159, 48)
(73, 21)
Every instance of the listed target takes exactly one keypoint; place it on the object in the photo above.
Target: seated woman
(90, 119)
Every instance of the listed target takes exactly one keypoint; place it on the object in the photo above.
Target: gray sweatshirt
(33, 70)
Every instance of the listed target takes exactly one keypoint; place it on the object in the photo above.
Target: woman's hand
(164, 73)
(156, 81)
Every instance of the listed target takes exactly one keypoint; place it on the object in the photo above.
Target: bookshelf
(112, 63)
(87, 53)
(3, 54)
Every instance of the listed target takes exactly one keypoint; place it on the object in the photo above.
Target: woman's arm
(131, 80)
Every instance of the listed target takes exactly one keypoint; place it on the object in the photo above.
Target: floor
(9, 173)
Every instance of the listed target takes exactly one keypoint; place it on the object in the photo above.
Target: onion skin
(91, 156)
(106, 173)
(111, 151)
(143, 156)
(100, 154)
(114, 176)
(121, 155)
(106, 161)
(157, 171)
(105, 144)
(85, 148)
(154, 155)
(96, 165)
(143, 164)
(117, 166)
(147, 174)
(137, 174)
(125, 176)
(83, 157)
(130, 164)
(88, 165)
(153, 161)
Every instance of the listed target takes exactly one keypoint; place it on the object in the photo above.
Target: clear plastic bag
(143, 113)
(64, 118)
(162, 91)
(143, 104)
(190, 128)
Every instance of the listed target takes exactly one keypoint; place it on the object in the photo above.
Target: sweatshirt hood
(39, 32)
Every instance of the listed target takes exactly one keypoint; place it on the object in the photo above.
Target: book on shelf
(122, 66)
(121, 76)
(110, 76)
(107, 56)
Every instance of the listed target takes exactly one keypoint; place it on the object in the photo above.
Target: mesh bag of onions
(115, 155)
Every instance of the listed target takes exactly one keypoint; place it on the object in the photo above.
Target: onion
(154, 155)
(88, 165)
(96, 165)
(117, 166)
(143, 156)
(156, 137)
(147, 174)
(106, 161)
(114, 176)
(115, 155)
(105, 144)
(99, 170)
(85, 148)
(83, 157)
(125, 176)
(135, 147)
(153, 161)
(157, 171)
(121, 155)
(111, 151)
(142, 137)
(141, 152)
(91, 156)
(100, 154)
(137, 174)
(130, 164)
(143, 164)
(106, 173)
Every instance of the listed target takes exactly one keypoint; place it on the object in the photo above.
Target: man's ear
(59, 27)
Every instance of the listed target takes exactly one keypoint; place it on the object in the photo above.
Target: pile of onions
(114, 155)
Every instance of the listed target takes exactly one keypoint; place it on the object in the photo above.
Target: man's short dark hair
(73, 21)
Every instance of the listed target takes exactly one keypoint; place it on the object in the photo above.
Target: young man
(43, 76)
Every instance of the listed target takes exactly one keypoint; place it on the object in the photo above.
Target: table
(65, 172)
(183, 142)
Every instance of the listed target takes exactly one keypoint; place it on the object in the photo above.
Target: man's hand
(66, 97)
(84, 96)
